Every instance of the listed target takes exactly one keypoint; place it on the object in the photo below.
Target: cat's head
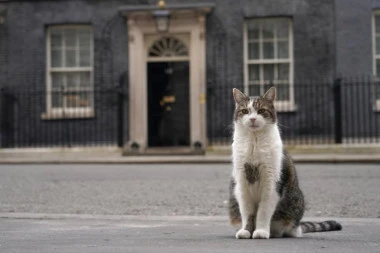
(255, 113)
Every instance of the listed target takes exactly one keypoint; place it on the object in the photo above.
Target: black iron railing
(345, 110)
(310, 112)
(36, 118)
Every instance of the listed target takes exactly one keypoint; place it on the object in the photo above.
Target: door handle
(170, 99)
(167, 100)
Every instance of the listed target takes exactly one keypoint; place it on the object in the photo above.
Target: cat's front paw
(243, 234)
(260, 234)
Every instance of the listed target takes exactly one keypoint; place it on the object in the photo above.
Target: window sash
(71, 83)
(261, 62)
(261, 27)
(70, 46)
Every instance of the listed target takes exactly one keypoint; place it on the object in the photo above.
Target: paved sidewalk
(106, 156)
(71, 234)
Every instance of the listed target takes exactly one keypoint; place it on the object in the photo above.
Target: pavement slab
(46, 234)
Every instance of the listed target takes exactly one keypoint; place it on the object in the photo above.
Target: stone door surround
(187, 24)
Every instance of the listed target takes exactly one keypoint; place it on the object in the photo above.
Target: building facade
(103, 66)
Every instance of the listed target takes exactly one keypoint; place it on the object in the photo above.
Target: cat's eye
(261, 111)
(245, 111)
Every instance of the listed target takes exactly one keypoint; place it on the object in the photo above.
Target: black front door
(168, 104)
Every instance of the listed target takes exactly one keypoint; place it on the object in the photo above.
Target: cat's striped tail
(324, 226)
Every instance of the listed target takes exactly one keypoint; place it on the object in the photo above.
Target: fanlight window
(168, 47)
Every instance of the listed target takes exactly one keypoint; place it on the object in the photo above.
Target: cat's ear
(239, 96)
(270, 95)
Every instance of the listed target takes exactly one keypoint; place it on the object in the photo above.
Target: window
(376, 57)
(268, 50)
(69, 72)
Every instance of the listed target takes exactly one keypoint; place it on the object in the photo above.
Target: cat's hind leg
(233, 207)
(295, 232)
(284, 229)
(277, 229)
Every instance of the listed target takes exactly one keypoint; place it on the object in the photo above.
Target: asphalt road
(336, 190)
(170, 235)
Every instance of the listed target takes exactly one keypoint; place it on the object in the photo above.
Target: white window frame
(288, 105)
(375, 57)
(68, 112)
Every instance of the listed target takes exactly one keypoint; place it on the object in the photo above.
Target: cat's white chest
(265, 151)
(255, 152)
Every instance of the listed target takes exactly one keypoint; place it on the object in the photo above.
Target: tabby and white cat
(265, 198)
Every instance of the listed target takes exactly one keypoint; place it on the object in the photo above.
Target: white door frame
(138, 28)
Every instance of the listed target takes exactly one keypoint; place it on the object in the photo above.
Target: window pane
(70, 58)
(268, 50)
(78, 99)
(378, 45)
(70, 38)
(72, 99)
(282, 28)
(85, 99)
(378, 67)
(283, 92)
(283, 48)
(84, 58)
(377, 90)
(57, 81)
(377, 23)
(56, 58)
(84, 80)
(253, 50)
(56, 99)
(84, 38)
(268, 29)
(268, 72)
(72, 80)
(56, 39)
(254, 72)
(253, 30)
(283, 71)
(254, 90)
(85, 48)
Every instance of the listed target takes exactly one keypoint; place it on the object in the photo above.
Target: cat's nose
(253, 120)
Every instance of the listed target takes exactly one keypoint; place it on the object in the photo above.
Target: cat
(265, 197)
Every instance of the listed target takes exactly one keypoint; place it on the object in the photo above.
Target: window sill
(68, 115)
